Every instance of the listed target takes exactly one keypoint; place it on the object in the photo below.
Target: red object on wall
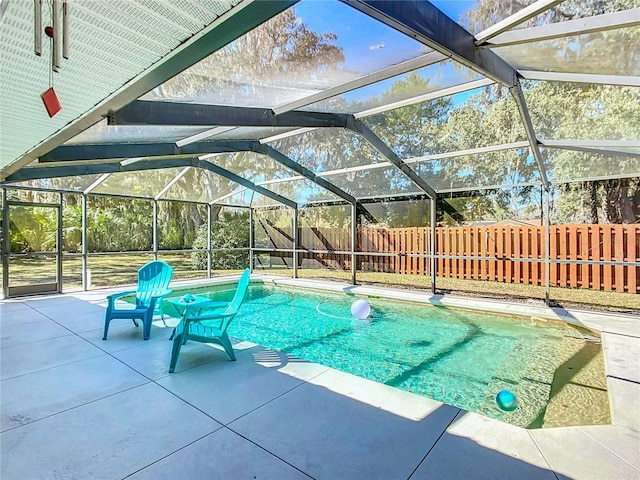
(51, 102)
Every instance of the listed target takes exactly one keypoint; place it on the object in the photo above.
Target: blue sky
(367, 43)
(370, 45)
(355, 29)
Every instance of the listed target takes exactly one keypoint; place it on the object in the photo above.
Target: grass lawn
(115, 270)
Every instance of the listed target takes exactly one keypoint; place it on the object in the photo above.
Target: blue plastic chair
(153, 283)
(208, 322)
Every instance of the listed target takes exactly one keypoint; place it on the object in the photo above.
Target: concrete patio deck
(74, 406)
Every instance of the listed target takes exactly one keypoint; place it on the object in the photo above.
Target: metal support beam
(85, 248)
(155, 229)
(305, 172)
(138, 151)
(426, 23)
(590, 78)
(547, 247)
(398, 69)
(245, 183)
(95, 184)
(251, 240)
(518, 96)
(6, 245)
(579, 26)
(239, 20)
(383, 148)
(59, 248)
(171, 183)
(517, 18)
(203, 135)
(86, 169)
(143, 112)
(425, 97)
(445, 207)
(432, 259)
(354, 243)
(209, 221)
(613, 145)
(576, 147)
(296, 242)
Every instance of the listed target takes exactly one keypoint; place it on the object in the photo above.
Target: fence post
(632, 277)
(619, 257)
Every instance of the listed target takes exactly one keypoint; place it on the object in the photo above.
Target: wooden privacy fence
(516, 254)
(509, 254)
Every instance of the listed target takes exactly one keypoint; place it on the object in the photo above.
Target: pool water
(457, 357)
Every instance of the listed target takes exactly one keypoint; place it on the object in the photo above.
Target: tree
(250, 70)
(229, 231)
(562, 110)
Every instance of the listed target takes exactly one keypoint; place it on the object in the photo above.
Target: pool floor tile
(110, 438)
(223, 455)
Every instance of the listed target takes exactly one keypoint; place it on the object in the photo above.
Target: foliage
(254, 65)
(33, 229)
(251, 70)
(229, 231)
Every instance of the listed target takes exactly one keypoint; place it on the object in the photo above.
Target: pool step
(530, 382)
(579, 390)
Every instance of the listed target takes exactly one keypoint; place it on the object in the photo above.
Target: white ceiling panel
(111, 42)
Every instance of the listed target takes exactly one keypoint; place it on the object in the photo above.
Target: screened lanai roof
(323, 101)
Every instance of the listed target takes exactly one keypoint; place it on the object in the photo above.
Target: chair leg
(175, 351)
(226, 344)
(106, 327)
(162, 317)
(135, 322)
(148, 319)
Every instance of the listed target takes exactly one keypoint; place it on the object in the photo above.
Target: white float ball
(360, 309)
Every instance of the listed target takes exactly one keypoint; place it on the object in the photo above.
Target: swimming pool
(458, 357)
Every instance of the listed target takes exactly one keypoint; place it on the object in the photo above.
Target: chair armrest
(113, 297)
(210, 317)
(121, 294)
(161, 294)
(157, 296)
(213, 304)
